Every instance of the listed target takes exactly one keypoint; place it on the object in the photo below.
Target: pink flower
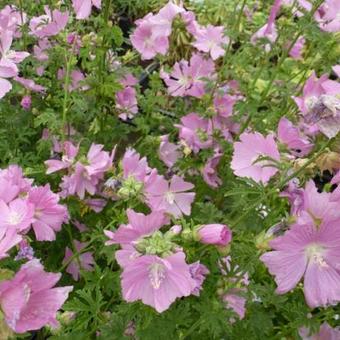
(29, 301)
(49, 24)
(126, 102)
(224, 104)
(296, 50)
(327, 16)
(147, 43)
(235, 301)
(139, 226)
(290, 135)
(83, 7)
(216, 234)
(77, 80)
(70, 152)
(295, 197)
(157, 281)
(310, 252)
(268, 31)
(8, 241)
(40, 50)
(26, 102)
(29, 84)
(317, 207)
(251, 147)
(211, 39)
(17, 215)
(172, 198)
(14, 175)
(320, 105)
(49, 215)
(187, 79)
(168, 152)
(135, 166)
(8, 55)
(83, 261)
(7, 70)
(209, 171)
(195, 131)
(198, 272)
(152, 33)
(326, 332)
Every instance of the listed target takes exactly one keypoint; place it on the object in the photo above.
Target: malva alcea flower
(309, 252)
(30, 301)
(247, 154)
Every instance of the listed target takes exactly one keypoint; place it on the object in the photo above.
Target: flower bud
(216, 234)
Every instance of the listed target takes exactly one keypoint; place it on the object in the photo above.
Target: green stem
(66, 94)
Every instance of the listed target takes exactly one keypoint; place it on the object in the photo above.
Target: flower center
(156, 275)
(315, 253)
(170, 197)
(14, 218)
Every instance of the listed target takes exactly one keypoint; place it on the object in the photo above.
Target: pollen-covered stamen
(156, 274)
(315, 253)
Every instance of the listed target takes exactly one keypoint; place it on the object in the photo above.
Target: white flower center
(170, 197)
(14, 218)
(156, 275)
(315, 253)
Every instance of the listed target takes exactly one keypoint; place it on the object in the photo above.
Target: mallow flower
(83, 7)
(30, 301)
(310, 252)
(246, 161)
(157, 281)
(216, 234)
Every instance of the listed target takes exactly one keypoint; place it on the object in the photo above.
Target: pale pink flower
(216, 234)
(245, 161)
(198, 272)
(29, 84)
(173, 198)
(295, 197)
(11, 19)
(328, 16)
(83, 261)
(49, 215)
(189, 79)
(157, 281)
(70, 152)
(25, 251)
(209, 171)
(268, 31)
(168, 152)
(77, 80)
(291, 136)
(83, 7)
(135, 166)
(224, 104)
(310, 252)
(15, 176)
(96, 204)
(26, 102)
(195, 132)
(49, 24)
(7, 70)
(296, 50)
(319, 104)
(29, 301)
(8, 241)
(152, 33)
(8, 55)
(139, 226)
(126, 103)
(317, 206)
(326, 332)
(17, 215)
(211, 39)
(235, 301)
(40, 50)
